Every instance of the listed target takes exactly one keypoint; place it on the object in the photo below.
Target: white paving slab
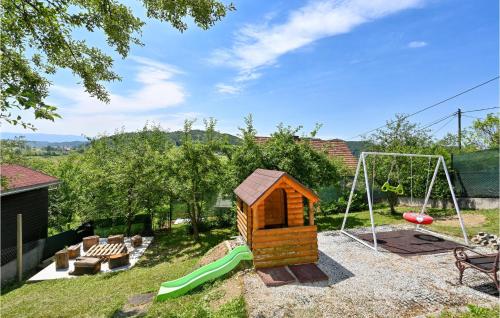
(50, 272)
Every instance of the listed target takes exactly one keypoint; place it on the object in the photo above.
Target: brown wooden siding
(285, 246)
(275, 209)
(295, 207)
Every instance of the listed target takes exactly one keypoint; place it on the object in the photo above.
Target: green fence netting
(476, 174)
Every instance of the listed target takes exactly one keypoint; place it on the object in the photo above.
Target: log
(118, 260)
(74, 251)
(86, 265)
(62, 259)
(136, 240)
(115, 239)
(90, 241)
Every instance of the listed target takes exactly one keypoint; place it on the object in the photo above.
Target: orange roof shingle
(22, 178)
(334, 148)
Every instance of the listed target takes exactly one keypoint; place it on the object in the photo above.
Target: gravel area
(364, 283)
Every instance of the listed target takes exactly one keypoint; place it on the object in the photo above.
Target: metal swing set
(399, 190)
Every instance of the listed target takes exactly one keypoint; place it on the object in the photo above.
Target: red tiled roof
(22, 178)
(256, 184)
(334, 148)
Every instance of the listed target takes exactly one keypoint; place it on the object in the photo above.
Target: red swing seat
(418, 218)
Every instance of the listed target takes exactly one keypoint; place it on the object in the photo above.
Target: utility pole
(459, 113)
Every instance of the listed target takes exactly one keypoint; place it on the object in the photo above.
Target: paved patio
(365, 283)
(50, 272)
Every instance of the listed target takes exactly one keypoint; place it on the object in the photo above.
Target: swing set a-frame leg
(453, 197)
(342, 229)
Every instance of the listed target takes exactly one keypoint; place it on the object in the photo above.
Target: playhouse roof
(20, 179)
(261, 180)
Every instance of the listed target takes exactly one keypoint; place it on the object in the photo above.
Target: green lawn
(382, 216)
(172, 255)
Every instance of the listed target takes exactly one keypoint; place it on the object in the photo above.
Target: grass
(170, 256)
(174, 254)
(473, 312)
(383, 216)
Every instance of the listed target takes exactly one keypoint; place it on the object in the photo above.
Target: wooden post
(19, 247)
(311, 213)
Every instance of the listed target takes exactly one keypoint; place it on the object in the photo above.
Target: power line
(434, 105)
(446, 124)
(469, 116)
(479, 110)
(437, 121)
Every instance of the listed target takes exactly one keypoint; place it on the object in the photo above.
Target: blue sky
(349, 65)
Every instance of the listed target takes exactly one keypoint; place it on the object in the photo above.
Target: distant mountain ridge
(72, 141)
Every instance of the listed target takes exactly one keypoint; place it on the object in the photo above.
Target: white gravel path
(364, 283)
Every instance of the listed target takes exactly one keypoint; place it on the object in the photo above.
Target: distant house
(24, 191)
(335, 148)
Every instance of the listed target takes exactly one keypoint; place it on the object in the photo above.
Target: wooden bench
(484, 263)
(86, 265)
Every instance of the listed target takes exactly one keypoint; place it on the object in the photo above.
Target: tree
(37, 39)
(285, 152)
(401, 136)
(484, 133)
(199, 171)
(124, 175)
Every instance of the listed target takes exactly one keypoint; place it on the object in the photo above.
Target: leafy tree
(248, 156)
(402, 136)
(37, 39)
(199, 171)
(285, 152)
(124, 176)
(482, 134)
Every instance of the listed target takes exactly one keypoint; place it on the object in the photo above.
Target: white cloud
(155, 93)
(416, 44)
(259, 46)
(156, 89)
(227, 89)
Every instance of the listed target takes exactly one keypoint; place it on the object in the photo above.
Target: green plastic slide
(178, 287)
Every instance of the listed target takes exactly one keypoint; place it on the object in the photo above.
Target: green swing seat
(396, 189)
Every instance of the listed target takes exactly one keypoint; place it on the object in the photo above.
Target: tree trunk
(393, 201)
(170, 212)
(194, 218)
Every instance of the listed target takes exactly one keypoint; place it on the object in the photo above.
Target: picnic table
(104, 251)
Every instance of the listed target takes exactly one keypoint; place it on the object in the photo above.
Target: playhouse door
(275, 209)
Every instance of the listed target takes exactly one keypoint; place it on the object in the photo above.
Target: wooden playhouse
(272, 219)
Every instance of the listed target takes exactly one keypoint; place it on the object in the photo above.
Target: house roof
(20, 179)
(335, 148)
(261, 180)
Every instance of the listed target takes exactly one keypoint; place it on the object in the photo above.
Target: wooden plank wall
(285, 246)
(295, 206)
(274, 208)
